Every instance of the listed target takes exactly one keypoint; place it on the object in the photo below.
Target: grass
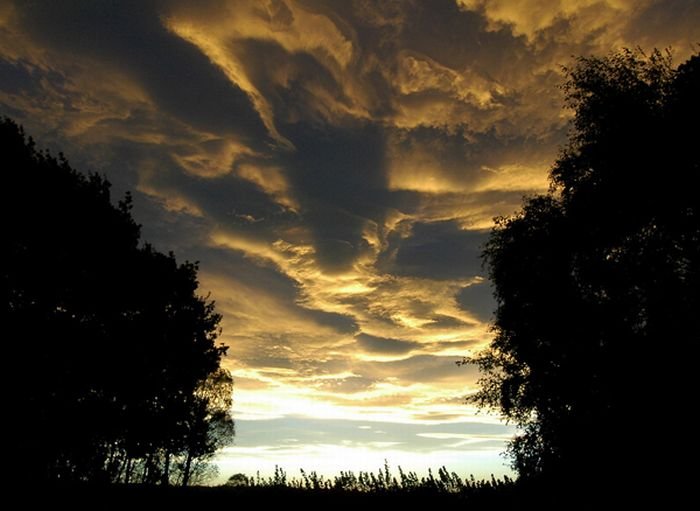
(383, 489)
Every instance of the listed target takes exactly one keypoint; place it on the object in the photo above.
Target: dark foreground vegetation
(380, 489)
(112, 356)
(598, 287)
(384, 481)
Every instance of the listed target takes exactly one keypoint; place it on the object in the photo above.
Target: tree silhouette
(208, 426)
(114, 343)
(597, 282)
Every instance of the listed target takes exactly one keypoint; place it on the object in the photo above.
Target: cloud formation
(334, 166)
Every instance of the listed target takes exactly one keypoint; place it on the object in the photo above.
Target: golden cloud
(462, 108)
(530, 17)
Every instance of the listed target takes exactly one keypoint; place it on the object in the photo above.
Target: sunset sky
(335, 167)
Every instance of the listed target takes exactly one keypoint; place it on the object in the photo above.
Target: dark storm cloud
(443, 321)
(251, 276)
(305, 78)
(437, 28)
(338, 175)
(338, 171)
(228, 200)
(268, 362)
(478, 300)
(21, 76)
(130, 36)
(437, 250)
(384, 346)
(423, 369)
(342, 323)
(670, 18)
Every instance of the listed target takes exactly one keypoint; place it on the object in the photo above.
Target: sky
(335, 167)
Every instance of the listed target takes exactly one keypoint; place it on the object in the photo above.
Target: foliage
(383, 482)
(267, 492)
(116, 353)
(597, 282)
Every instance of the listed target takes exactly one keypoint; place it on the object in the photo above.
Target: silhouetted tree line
(598, 283)
(112, 354)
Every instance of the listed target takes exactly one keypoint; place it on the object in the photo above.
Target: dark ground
(133, 497)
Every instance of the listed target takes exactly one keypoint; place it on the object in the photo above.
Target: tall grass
(384, 481)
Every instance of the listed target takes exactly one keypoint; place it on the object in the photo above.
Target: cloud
(17, 76)
(436, 250)
(261, 445)
(531, 18)
(130, 37)
(384, 346)
(593, 25)
(421, 369)
(668, 24)
(282, 35)
(338, 178)
(347, 385)
(478, 300)
(309, 431)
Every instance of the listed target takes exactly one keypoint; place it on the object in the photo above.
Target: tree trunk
(110, 468)
(166, 469)
(122, 465)
(187, 469)
(129, 467)
(147, 469)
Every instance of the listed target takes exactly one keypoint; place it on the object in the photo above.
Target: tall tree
(598, 281)
(208, 426)
(109, 338)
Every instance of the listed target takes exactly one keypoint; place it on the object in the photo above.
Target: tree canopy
(598, 281)
(120, 370)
